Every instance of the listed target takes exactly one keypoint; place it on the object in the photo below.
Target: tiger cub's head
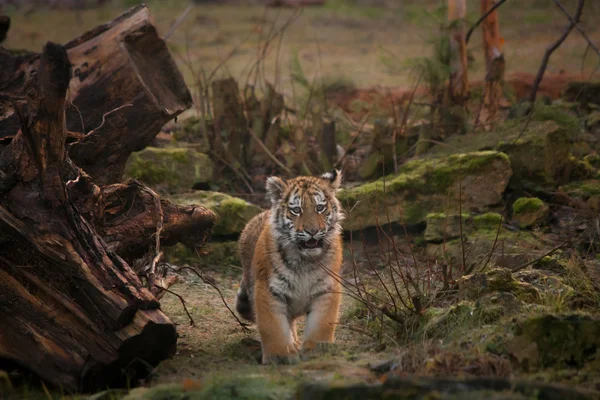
(305, 212)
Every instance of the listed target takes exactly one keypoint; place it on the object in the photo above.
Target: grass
(339, 38)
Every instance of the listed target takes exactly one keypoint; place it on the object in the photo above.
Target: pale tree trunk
(459, 82)
(494, 64)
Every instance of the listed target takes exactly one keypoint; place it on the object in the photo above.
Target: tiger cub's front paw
(291, 356)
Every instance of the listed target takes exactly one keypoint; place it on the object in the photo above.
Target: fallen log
(72, 310)
(125, 87)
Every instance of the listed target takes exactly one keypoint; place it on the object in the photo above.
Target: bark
(125, 87)
(459, 82)
(494, 63)
(73, 311)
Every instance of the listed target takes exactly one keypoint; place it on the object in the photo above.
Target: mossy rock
(215, 254)
(474, 286)
(556, 263)
(442, 226)
(494, 305)
(529, 211)
(427, 186)
(170, 170)
(448, 388)
(441, 322)
(487, 222)
(232, 213)
(447, 227)
(583, 189)
(480, 237)
(217, 388)
(567, 341)
(540, 154)
(546, 282)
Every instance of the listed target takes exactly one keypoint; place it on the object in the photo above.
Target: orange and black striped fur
(292, 256)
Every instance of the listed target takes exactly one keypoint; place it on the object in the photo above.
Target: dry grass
(337, 41)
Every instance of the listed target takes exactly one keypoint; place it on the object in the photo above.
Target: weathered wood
(459, 82)
(494, 63)
(229, 118)
(125, 87)
(72, 310)
(132, 214)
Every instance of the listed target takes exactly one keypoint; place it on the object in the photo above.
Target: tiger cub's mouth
(311, 244)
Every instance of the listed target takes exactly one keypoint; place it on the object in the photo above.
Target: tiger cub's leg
(321, 321)
(277, 339)
(297, 342)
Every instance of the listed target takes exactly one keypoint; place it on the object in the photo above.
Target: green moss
(170, 169)
(487, 221)
(556, 341)
(422, 186)
(219, 255)
(232, 213)
(583, 189)
(527, 204)
(474, 286)
(562, 116)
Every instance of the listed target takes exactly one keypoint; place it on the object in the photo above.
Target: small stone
(529, 211)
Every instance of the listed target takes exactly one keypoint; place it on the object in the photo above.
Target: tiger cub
(292, 255)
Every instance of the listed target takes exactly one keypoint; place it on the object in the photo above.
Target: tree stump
(125, 87)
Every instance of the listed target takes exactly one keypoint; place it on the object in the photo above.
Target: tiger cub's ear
(334, 177)
(275, 189)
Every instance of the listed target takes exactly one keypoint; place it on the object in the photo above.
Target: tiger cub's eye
(320, 208)
(296, 210)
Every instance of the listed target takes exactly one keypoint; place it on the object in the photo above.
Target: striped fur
(291, 255)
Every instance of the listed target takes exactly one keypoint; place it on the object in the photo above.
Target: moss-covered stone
(232, 213)
(547, 283)
(540, 154)
(170, 170)
(250, 387)
(215, 254)
(442, 321)
(583, 189)
(474, 286)
(422, 187)
(556, 341)
(556, 263)
(528, 211)
(487, 222)
(442, 227)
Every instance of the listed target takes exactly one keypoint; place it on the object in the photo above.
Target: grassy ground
(344, 43)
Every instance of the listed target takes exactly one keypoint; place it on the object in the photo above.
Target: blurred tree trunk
(494, 63)
(459, 82)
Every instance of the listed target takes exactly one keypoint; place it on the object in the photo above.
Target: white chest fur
(299, 287)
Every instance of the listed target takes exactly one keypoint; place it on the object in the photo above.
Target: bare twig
(540, 75)
(267, 152)
(181, 299)
(579, 28)
(523, 266)
(159, 228)
(178, 21)
(243, 325)
(107, 114)
(480, 20)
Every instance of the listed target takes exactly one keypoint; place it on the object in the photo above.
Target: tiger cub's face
(305, 211)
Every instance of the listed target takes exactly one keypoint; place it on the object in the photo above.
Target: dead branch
(540, 75)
